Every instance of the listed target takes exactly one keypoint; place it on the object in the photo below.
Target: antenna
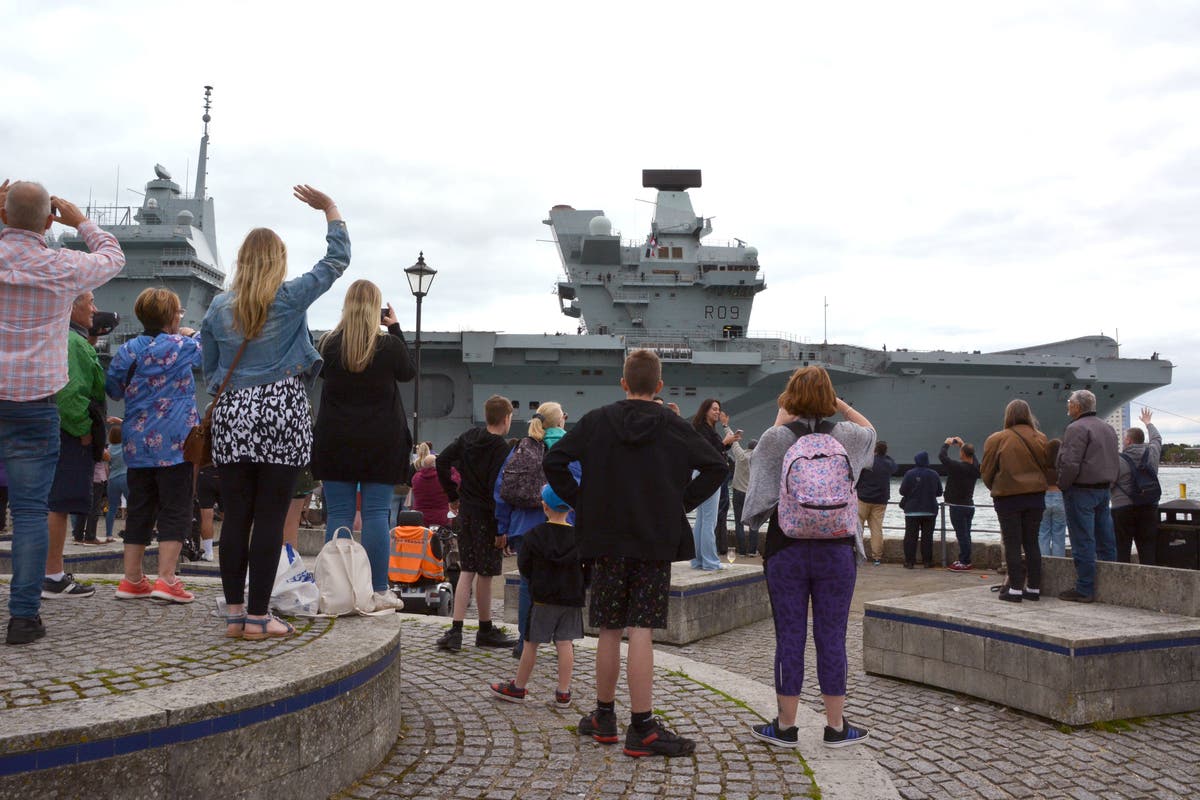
(202, 162)
(826, 301)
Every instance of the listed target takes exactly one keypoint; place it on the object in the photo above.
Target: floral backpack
(816, 488)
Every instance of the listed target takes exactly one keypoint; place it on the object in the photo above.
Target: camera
(383, 312)
(103, 323)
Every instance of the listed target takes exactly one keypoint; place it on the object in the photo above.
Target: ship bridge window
(664, 252)
(677, 252)
(533, 405)
(689, 391)
(516, 405)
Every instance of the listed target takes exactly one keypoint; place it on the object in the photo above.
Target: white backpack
(343, 575)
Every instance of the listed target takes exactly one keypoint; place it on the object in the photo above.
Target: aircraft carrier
(671, 291)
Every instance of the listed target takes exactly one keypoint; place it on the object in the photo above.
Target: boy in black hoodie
(478, 455)
(549, 560)
(638, 459)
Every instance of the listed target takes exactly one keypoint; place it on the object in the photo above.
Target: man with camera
(960, 495)
(37, 287)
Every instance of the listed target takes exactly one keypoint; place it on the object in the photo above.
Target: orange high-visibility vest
(411, 557)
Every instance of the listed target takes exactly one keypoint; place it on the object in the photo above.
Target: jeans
(1090, 526)
(704, 534)
(340, 502)
(960, 518)
(118, 487)
(29, 449)
(1053, 531)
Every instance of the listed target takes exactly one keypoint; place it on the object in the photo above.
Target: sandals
(262, 632)
(235, 619)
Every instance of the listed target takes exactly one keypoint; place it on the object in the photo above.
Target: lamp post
(420, 277)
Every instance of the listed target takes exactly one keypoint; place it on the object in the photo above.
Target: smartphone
(383, 312)
(738, 431)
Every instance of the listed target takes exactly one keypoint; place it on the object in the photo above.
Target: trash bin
(1179, 534)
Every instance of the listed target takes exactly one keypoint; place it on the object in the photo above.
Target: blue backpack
(1144, 489)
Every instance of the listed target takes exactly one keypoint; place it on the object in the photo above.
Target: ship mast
(202, 164)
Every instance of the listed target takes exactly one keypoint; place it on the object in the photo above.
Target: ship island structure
(670, 292)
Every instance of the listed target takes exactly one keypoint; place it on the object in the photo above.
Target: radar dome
(600, 226)
(751, 252)
(185, 217)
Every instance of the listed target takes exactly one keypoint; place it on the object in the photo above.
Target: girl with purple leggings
(800, 571)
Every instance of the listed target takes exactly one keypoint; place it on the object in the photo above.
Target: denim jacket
(284, 348)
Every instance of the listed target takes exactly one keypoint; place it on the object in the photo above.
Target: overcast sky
(959, 175)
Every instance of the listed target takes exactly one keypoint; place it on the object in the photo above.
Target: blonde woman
(545, 429)
(261, 425)
(362, 439)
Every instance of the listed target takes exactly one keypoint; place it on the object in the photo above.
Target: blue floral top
(160, 396)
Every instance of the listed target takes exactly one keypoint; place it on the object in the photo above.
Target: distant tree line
(1180, 454)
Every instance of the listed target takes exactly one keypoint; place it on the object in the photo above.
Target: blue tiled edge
(1094, 650)
(189, 731)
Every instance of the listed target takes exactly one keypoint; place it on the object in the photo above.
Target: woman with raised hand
(803, 570)
(255, 337)
(362, 438)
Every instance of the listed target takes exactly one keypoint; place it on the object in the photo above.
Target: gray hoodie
(1120, 499)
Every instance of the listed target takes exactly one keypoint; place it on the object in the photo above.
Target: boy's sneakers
(563, 699)
(67, 588)
(451, 640)
(128, 590)
(771, 733)
(23, 630)
(848, 735)
(958, 566)
(508, 691)
(171, 592)
(493, 637)
(601, 725)
(656, 740)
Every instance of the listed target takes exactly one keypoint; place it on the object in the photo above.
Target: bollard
(1183, 491)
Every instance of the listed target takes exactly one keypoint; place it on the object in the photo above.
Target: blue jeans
(29, 448)
(118, 487)
(960, 518)
(704, 533)
(1090, 526)
(340, 502)
(1052, 535)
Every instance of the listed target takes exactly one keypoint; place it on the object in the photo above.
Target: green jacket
(85, 382)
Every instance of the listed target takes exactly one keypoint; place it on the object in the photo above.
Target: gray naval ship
(690, 302)
(687, 300)
(169, 240)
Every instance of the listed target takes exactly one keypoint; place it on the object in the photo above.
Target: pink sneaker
(171, 592)
(134, 591)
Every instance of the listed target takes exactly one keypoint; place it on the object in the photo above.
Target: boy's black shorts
(477, 549)
(629, 593)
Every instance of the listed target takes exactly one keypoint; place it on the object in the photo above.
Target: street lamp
(420, 277)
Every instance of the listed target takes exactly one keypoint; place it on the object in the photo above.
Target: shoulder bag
(197, 447)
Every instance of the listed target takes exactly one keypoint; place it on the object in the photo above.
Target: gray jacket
(1120, 498)
(1089, 453)
(741, 467)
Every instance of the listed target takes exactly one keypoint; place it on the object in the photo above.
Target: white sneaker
(206, 557)
(387, 599)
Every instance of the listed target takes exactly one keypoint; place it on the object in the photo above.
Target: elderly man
(71, 492)
(1087, 467)
(37, 286)
(1135, 518)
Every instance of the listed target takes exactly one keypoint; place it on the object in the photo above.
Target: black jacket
(477, 455)
(960, 478)
(549, 560)
(921, 487)
(637, 459)
(362, 430)
(875, 481)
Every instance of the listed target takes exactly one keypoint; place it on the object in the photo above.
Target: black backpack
(522, 480)
(1144, 489)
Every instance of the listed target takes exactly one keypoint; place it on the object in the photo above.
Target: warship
(670, 291)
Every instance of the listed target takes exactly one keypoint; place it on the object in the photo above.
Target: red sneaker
(134, 591)
(171, 592)
(958, 566)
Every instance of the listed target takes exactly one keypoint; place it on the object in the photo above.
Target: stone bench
(700, 603)
(1135, 652)
(101, 559)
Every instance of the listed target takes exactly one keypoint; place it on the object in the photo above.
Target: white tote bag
(344, 576)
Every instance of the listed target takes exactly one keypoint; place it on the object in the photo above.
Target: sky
(962, 176)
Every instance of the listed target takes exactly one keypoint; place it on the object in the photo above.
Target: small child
(549, 561)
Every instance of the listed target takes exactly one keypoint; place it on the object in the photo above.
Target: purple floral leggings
(825, 572)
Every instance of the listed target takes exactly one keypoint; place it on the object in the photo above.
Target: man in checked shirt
(37, 287)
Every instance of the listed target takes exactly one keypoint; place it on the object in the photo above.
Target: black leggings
(255, 495)
(1019, 531)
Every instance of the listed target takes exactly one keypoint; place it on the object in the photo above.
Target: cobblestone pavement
(172, 643)
(458, 741)
(936, 744)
